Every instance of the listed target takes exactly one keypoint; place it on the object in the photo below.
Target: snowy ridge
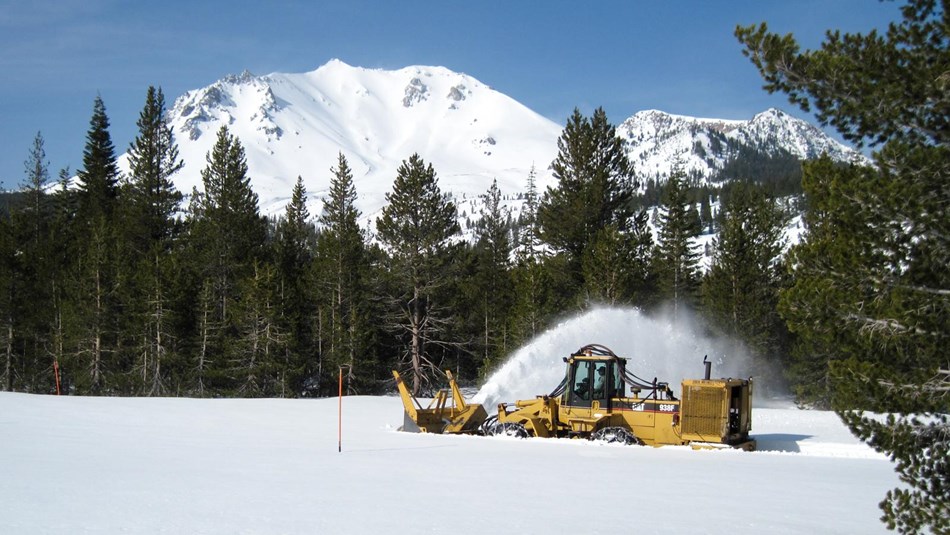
(657, 141)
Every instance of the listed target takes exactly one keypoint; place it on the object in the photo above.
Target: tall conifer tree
(33, 271)
(677, 257)
(7, 311)
(594, 190)
(153, 160)
(231, 227)
(295, 242)
(99, 177)
(345, 277)
(417, 226)
(95, 252)
(229, 234)
(493, 282)
(532, 284)
(871, 279)
(740, 290)
(150, 234)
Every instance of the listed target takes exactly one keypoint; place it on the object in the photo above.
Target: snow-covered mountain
(656, 141)
(296, 124)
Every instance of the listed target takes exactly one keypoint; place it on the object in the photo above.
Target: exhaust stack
(708, 365)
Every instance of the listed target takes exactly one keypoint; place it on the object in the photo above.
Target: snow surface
(161, 465)
(136, 465)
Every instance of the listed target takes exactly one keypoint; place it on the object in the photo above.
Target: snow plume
(670, 350)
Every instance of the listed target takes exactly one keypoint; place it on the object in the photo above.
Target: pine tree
(37, 203)
(740, 290)
(230, 226)
(617, 265)
(345, 277)
(99, 178)
(94, 275)
(871, 292)
(153, 160)
(149, 239)
(63, 232)
(261, 343)
(294, 236)
(594, 189)
(7, 310)
(677, 257)
(417, 226)
(529, 238)
(531, 283)
(493, 285)
(34, 267)
(705, 215)
(228, 233)
(295, 242)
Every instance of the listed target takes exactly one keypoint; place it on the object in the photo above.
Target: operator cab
(593, 377)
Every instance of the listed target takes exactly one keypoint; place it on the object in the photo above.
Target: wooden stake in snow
(339, 432)
(56, 373)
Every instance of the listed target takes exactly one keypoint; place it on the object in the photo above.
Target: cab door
(591, 381)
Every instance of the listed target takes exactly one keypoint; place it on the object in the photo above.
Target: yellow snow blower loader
(599, 399)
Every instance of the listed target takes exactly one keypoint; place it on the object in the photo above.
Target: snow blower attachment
(460, 417)
(599, 399)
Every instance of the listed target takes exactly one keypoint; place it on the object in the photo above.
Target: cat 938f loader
(600, 400)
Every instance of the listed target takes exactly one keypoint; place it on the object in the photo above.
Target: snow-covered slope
(656, 141)
(296, 124)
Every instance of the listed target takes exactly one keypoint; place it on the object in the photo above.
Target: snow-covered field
(107, 465)
(137, 465)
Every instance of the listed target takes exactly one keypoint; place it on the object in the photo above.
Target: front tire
(509, 429)
(615, 435)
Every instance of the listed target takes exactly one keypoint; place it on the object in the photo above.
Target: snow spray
(654, 346)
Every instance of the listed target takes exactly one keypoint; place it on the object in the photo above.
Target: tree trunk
(485, 357)
(97, 337)
(416, 350)
(159, 349)
(203, 351)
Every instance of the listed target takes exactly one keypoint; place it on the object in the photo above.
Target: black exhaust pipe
(708, 366)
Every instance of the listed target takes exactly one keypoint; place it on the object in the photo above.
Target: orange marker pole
(339, 420)
(56, 373)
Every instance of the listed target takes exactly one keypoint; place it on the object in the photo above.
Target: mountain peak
(335, 65)
(243, 78)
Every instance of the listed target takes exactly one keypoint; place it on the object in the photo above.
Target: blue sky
(625, 56)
